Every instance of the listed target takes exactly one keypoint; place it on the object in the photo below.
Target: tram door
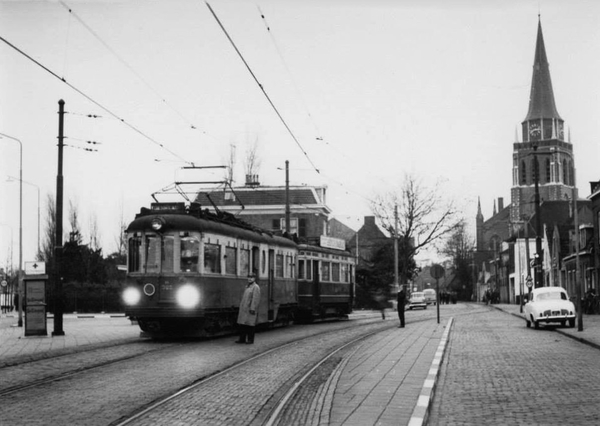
(316, 290)
(270, 282)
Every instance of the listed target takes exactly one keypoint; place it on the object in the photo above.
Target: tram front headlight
(131, 296)
(157, 223)
(188, 296)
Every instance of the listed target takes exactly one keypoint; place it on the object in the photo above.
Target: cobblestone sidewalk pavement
(81, 331)
(390, 378)
(589, 335)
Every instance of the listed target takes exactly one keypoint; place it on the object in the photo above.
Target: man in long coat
(248, 314)
(401, 303)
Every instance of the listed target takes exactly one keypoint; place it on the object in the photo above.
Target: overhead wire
(262, 88)
(130, 68)
(92, 100)
(283, 61)
(319, 137)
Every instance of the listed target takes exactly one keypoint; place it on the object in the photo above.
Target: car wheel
(571, 322)
(536, 324)
(425, 307)
(562, 323)
(528, 323)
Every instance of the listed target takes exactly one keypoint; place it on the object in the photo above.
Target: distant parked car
(430, 296)
(549, 305)
(417, 300)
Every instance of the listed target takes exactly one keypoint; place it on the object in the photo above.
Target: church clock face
(535, 130)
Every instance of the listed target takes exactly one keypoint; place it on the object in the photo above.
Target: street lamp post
(20, 288)
(11, 179)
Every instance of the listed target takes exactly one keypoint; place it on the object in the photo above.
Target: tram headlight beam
(188, 296)
(131, 296)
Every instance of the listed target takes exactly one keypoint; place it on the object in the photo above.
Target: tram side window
(212, 258)
(153, 251)
(344, 272)
(279, 266)
(135, 254)
(190, 252)
(230, 260)
(325, 268)
(290, 266)
(168, 251)
(301, 274)
(309, 269)
(335, 272)
(244, 262)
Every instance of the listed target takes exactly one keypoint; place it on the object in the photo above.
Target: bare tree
(49, 238)
(459, 248)
(94, 233)
(75, 234)
(231, 161)
(424, 217)
(121, 240)
(252, 164)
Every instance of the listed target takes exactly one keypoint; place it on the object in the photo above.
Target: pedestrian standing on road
(401, 303)
(381, 301)
(248, 314)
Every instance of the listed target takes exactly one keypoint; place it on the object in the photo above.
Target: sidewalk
(81, 331)
(591, 326)
(391, 379)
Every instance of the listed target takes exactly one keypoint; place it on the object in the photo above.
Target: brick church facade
(527, 240)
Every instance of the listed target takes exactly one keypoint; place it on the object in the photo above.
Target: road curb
(421, 411)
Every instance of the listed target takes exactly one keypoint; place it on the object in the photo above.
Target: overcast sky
(370, 90)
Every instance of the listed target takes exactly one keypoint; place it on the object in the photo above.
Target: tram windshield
(158, 254)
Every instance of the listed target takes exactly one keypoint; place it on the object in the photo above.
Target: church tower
(479, 243)
(543, 141)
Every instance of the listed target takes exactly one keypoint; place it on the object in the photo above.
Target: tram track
(280, 394)
(138, 385)
(34, 373)
(69, 371)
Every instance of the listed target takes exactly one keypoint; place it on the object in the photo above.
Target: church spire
(541, 98)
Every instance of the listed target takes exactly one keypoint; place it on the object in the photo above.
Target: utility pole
(58, 249)
(578, 284)
(538, 222)
(396, 282)
(287, 196)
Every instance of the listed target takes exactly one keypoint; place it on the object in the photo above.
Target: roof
(541, 98)
(262, 196)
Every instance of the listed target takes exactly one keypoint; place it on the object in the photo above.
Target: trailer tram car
(187, 269)
(325, 281)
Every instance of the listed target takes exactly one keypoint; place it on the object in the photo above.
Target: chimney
(252, 180)
(369, 220)
(500, 204)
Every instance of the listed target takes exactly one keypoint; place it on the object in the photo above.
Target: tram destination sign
(334, 243)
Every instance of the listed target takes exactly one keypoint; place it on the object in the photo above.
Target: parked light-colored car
(549, 305)
(417, 300)
(430, 296)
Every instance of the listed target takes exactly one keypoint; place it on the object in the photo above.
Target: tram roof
(203, 221)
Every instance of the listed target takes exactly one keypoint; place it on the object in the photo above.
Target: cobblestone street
(498, 372)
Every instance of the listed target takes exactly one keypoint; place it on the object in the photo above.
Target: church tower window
(523, 173)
